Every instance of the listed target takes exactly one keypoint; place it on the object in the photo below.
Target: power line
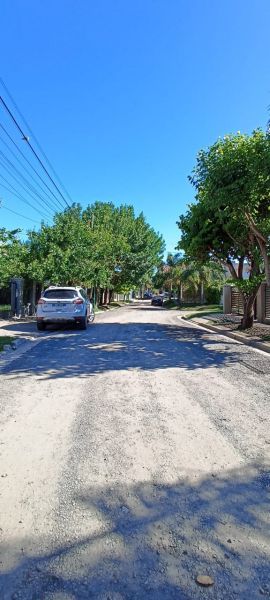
(18, 214)
(16, 193)
(28, 162)
(25, 138)
(29, 185)
(21, 185)
(34, 137)
(28, 173)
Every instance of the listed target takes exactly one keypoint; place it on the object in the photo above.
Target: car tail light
(41, 301)
(78, 301)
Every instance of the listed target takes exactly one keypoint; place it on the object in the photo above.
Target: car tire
(41, 326)
(83, 324)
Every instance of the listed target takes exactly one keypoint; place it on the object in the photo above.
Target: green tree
(59, 253)
(12, 256)
(205, 279)
(102, 247)
(178, 274)
(211, 234)
(232, 177)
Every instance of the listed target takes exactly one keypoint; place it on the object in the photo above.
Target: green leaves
(230, 221)
(12, 254)
(231, 217)
(86, 246)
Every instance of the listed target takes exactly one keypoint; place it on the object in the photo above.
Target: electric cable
(18, 214)
(29, 185)
(16, 193)
(34, 137)
(28, 172)
(25, 138)
(29, 163)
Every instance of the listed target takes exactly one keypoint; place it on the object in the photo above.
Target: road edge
(235, 336)
(21, 346)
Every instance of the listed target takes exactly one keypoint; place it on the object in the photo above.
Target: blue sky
(122, 94)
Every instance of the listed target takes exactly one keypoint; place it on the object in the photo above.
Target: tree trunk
(201, 293)
(33, 297)
(101, 296)
(263, 243)
(98, 296)
(181, 292)
(263, 249)
(240, 267)
(247, 320)
(248, 317)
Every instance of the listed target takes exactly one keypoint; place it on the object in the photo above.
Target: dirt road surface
(134, 457)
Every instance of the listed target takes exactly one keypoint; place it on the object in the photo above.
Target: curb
(17, 349)
(17, 343)
(235, 336)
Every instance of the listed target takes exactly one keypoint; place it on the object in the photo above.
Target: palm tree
(178, 274)
(197, 277)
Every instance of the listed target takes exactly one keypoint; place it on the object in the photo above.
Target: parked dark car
(157, 301)
(147, 295)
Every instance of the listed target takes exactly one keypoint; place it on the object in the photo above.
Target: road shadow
(114, 346)
(29, 327)
(150, 540)
(19, 328)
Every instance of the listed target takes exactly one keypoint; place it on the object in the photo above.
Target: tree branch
(254, 228)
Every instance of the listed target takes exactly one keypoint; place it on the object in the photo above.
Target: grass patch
(266, 338)
(200, 308)
(204, 311)
(5, 339)
(170, 304)
(4, 307)
(118, 304)
(105, 307)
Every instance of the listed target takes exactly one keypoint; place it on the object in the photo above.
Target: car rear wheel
(83, 323)
(40, 326)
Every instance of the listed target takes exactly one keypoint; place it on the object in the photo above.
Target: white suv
(64, 305)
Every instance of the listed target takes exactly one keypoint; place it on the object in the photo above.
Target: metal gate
(237, 302)
(267, 302)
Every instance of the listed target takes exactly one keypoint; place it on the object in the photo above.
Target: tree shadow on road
(149, 541)
(113, 347)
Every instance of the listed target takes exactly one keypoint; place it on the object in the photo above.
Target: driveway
(134, 457)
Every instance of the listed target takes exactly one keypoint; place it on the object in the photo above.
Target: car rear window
(60, 294)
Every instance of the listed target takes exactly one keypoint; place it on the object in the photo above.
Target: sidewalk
(22, 336)
(23, 328)
(257, 337)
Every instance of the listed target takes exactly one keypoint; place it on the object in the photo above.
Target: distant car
(64, 305)
(157, 301)
(147, 295)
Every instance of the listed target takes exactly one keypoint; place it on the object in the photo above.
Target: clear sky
(122, 94)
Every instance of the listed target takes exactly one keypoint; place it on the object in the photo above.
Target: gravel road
(134, 457)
